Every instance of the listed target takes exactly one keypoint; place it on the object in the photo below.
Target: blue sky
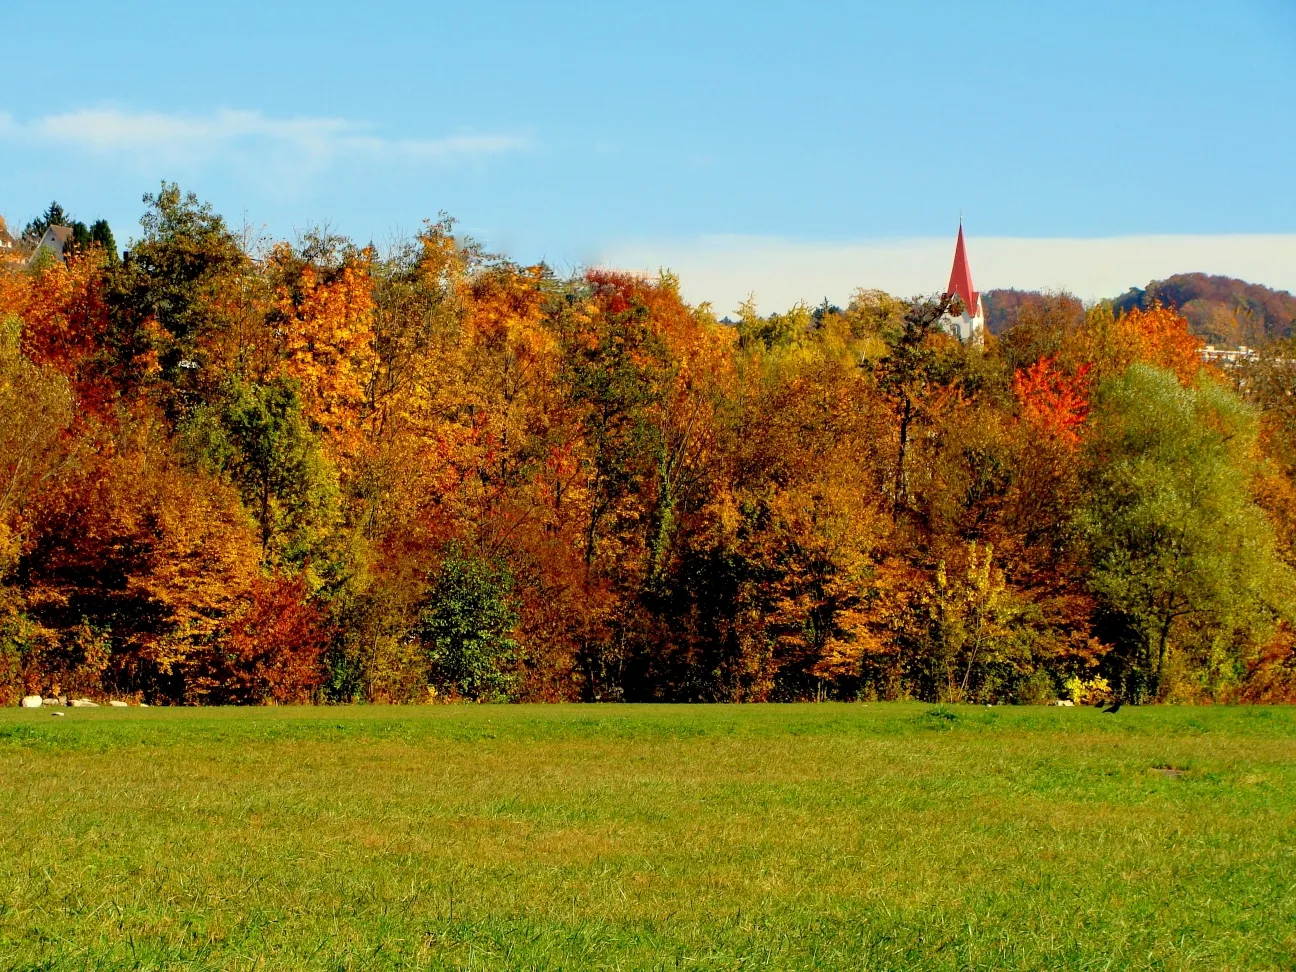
(581, 133)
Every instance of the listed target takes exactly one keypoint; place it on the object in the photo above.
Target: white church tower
(969, 325)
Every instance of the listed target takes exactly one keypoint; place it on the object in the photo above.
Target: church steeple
(967, 325)
(961, 278)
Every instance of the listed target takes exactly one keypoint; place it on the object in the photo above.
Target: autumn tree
(241, 470)
(1032, 326)
(36, 414)
(907, 374)
(323, 320)
(270, 651)
(1268, 383)
(967, 635)
(646, 378)
(140, 552)
(1159, 337)
(66, 324)
(1053, 403)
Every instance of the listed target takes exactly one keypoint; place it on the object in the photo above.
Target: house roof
(961, 278)
(55, 240)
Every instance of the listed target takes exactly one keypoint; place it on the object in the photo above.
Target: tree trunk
(967, 675)
(265, 515)
(1161, 652)
(901, 474)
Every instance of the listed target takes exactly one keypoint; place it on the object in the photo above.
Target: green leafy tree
(466, 626)
(258, 436)
(1178, 548)
(175, 297)
(182, 261)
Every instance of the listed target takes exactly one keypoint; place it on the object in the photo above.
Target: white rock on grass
(31, 702)
(83, 704)
(1065, 702)
(118, 705)
(59, 714)
(48, 701)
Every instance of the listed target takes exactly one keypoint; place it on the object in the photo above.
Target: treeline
(314, 472)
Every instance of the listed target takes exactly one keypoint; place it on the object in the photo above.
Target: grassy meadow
(640, 837)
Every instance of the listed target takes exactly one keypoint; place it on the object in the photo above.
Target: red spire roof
(961, 278)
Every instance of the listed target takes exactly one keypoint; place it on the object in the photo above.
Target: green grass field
(641, 837)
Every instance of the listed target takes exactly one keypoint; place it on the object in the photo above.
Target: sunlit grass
(831, 836)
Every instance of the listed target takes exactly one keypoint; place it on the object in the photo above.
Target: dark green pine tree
(101, 234)
(80, 235)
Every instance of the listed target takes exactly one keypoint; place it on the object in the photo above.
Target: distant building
(1227, 357)
(54, 240)
(970, 324)
(8, 247)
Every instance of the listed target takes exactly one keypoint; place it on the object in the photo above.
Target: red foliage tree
(1052, 401)
(271, 654)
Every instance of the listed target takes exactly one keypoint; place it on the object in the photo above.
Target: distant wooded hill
(1221, 310)
(1005, 308)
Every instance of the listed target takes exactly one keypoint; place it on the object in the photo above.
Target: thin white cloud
(195, 139)
(725, 270)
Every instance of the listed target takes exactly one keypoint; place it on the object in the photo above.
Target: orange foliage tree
(325, 319)
(1053, 402)
(1159, 336)
(65, 322)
